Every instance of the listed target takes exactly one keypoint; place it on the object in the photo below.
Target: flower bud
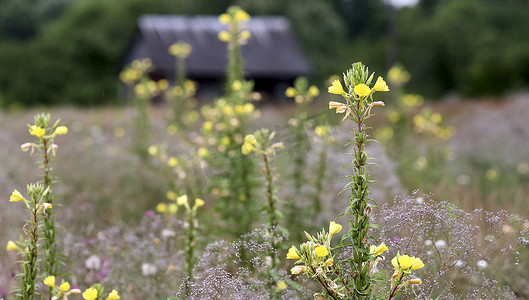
(25, 147)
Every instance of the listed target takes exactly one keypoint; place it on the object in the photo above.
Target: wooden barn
(272, 55)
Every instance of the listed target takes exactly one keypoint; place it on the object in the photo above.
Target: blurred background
(71, 51)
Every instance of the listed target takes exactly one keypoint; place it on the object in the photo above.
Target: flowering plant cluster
(350, 277)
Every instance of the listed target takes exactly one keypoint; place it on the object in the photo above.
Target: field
(106, 191)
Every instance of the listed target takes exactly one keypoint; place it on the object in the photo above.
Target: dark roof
(271, 52)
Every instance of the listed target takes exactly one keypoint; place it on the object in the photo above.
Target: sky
(403, 2)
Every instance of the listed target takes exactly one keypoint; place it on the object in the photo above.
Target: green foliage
(469, 46)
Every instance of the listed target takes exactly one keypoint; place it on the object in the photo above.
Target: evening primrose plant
(29, 247)
(350, 276)
(181, 96)
(40, 229)
(236, 35)
(260, 143)
(142, 90)
(224, 128)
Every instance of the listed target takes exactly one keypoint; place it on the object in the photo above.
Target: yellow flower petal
(61, 130)
(37, 131)
(199, 202)
(362, 90)
(336, 88)
(293, 253)
(291, 92)
(65, 286)
(314, 91)
(11, 246)
(380, 85)
(417, 264)
(50, 281)
(16, 196)
(381, 249)
(334, 228)
(224, 36)
(224, 18)
(241, 16)
(321, 251)
(113, 295)
(90, 294)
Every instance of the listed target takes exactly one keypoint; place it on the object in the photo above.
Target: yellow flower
(171, 195)
(291, 92)
(241, 16)
(208, 125)
(334, 228)
(298, 269)
(153, 150)
(65, 286)
(415, 281)
(224, 18)
(249, 108)
(293, 253)
(362, 90)
(61, 130)
(245, 35)
(336, 88)
(224, 36)
(36, 131)
(161, 208)
(182, 200)
(202, 152)
(225, 141)
(199, 202)
(406, 262)
(417, 264)
(321, 251)
(247, 148)
(320, 130)
(16, 196)
(377, 250)
(313, 91)
(172, 208)
(437, 118)
(113, 295)
(380, 85)
(236, 85)
(50, 281)
(172, 162)
(250, 139)
(11, 246)
(90, 294)
(281, 285)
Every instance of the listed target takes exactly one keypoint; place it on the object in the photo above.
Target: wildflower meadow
(353, 189)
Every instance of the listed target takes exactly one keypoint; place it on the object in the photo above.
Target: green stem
(50, 247)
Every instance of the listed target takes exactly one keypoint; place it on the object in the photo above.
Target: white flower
(428, 243)
(482, 264)
(148, 269)
(440, 244)
(167, 233)
(420, 200)
(93, 263)
(459, 263)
